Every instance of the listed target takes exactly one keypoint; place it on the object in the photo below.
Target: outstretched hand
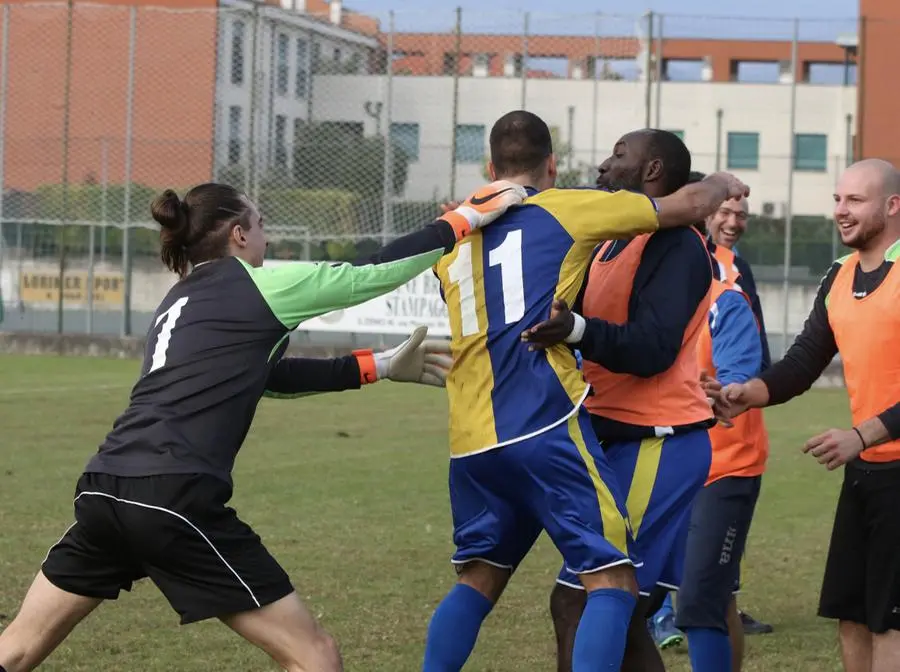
(554, 330)
(417, 360)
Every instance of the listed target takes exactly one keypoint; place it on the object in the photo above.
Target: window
(406, 138)
(302, 75)
(810, 152)
(469, 143)
(450, 65)
(336, 55)
(282, 69)
(237, 52)
(234, 134)
(680, 134)
(281, 154)
(743, 151)
(481, 65)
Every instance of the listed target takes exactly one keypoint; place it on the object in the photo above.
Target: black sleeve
(748, 284)
(650, 341)
(299, 375)
(809, 355)
(438, 234)
(577, 306)
(891, 421)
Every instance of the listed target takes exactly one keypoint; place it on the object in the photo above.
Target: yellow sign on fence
(109, 288)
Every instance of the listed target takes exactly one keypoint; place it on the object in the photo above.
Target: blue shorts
(662, 476)
(558, 481)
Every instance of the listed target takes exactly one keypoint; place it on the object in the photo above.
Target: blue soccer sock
(667, 609)
(601, 634)
(454, 628)
(709, 650)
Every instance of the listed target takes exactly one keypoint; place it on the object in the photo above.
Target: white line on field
(25, 391)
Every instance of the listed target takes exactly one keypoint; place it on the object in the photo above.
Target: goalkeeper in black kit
(152, 501)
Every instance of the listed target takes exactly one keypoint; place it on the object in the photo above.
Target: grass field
(349, 492)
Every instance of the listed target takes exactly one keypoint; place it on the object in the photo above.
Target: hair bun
(169, 211)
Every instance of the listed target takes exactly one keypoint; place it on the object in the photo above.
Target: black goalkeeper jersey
(215, 346)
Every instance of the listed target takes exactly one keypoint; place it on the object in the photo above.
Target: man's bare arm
(695, 202)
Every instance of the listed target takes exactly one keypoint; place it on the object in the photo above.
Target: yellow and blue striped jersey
(502, 280)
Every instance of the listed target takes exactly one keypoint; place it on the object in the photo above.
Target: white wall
(151, 282)
(272, 22)
(687, 106)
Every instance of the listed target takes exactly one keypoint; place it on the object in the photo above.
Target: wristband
(578, 328)
(861, 439)
(368, 371)
(458, 222)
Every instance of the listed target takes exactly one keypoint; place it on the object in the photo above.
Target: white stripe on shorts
(184, 520)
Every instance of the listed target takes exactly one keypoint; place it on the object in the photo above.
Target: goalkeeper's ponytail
(196, 229)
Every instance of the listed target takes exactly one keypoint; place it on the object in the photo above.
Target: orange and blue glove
(484, 206)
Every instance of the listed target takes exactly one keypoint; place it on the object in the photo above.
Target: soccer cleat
(663, 630)
(752, 626)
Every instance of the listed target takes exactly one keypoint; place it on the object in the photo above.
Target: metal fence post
(789, 210)
(387, 206)
(834, 232)
(648, 72)
(249, 178)
(455, 103)
(89, 326)
(719, 114)
(126, 207)
(67, 100)
(4, 77)
(595, 103)
(659, 71)
(526, 27)
(104, 195)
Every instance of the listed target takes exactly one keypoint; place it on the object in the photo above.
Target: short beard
(628, 183)
(865, 236)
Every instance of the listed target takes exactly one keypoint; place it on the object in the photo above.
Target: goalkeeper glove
(413, 361)
(484, 206)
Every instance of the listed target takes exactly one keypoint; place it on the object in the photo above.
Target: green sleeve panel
(299, 291)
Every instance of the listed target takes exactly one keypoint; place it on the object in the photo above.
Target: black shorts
(174, 529)
(862, 574)
(720, 523)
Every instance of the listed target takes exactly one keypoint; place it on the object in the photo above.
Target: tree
(336, 155)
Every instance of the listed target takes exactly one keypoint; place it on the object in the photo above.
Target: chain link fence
(349, 130)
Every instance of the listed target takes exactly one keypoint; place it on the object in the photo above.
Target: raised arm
(300, 291)
(695, 202)
(592, 215)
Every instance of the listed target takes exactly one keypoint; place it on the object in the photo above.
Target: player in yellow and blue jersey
(523, 455)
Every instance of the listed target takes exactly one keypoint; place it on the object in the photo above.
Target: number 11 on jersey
(508, 256)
